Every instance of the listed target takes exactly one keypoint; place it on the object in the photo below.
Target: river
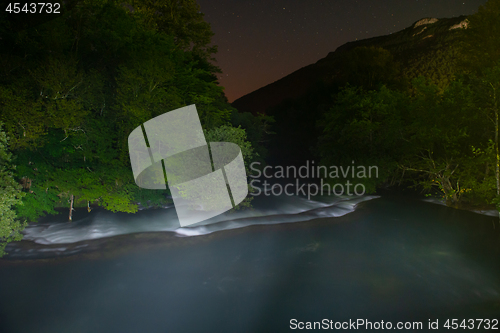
(393, 258)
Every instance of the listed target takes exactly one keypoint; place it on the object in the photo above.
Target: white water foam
(440, 201)
(271, 210)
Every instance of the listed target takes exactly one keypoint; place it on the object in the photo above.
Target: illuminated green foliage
(10, 196)
(74, 87)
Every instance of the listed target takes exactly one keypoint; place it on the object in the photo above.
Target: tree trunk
(452, 200)
(71, 208)
(26, 183)
(497, 169)
(497, 155)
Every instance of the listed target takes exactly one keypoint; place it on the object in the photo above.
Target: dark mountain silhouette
(428, 47)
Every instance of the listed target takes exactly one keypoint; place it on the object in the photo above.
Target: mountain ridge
(410, 47)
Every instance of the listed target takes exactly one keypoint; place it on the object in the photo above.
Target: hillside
(427, 47)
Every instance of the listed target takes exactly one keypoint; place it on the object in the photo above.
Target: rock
(462, 25)
(418, 33)
(425, 21)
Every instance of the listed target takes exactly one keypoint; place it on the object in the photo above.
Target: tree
(482, 37)
(486, 88)
(443, 132)
(10, 196)
(364, 127)
(179, 18)
(481, 64)
(237, 135)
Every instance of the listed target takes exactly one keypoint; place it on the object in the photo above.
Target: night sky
(262, 41)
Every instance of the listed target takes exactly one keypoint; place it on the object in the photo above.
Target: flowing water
(393, 258)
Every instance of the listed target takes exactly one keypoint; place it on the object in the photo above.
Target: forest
(74, 86)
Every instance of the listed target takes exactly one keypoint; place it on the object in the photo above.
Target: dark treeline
(429, 121)
(72, 88)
